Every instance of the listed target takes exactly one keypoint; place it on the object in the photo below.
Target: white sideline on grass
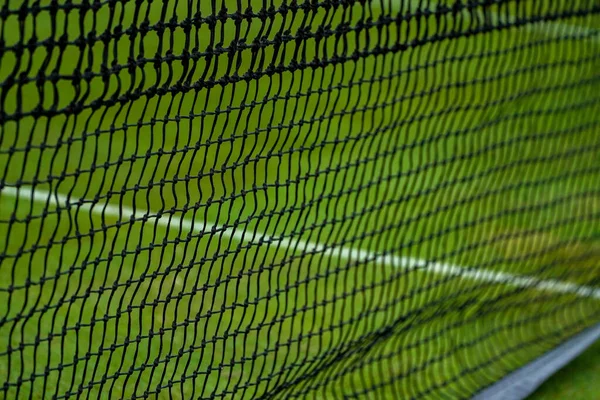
(548, 28)
(171, 221)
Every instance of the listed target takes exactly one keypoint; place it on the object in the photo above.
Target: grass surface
(480, 151)
(577, 380)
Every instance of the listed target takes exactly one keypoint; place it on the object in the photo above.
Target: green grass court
(576, 380)
(480, 152)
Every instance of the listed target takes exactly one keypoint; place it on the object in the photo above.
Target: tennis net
(280, 199)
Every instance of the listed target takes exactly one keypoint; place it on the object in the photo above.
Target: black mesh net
(280, 199)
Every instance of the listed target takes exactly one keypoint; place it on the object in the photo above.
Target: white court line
(546, 28)
(170, 221)
(553, 28)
